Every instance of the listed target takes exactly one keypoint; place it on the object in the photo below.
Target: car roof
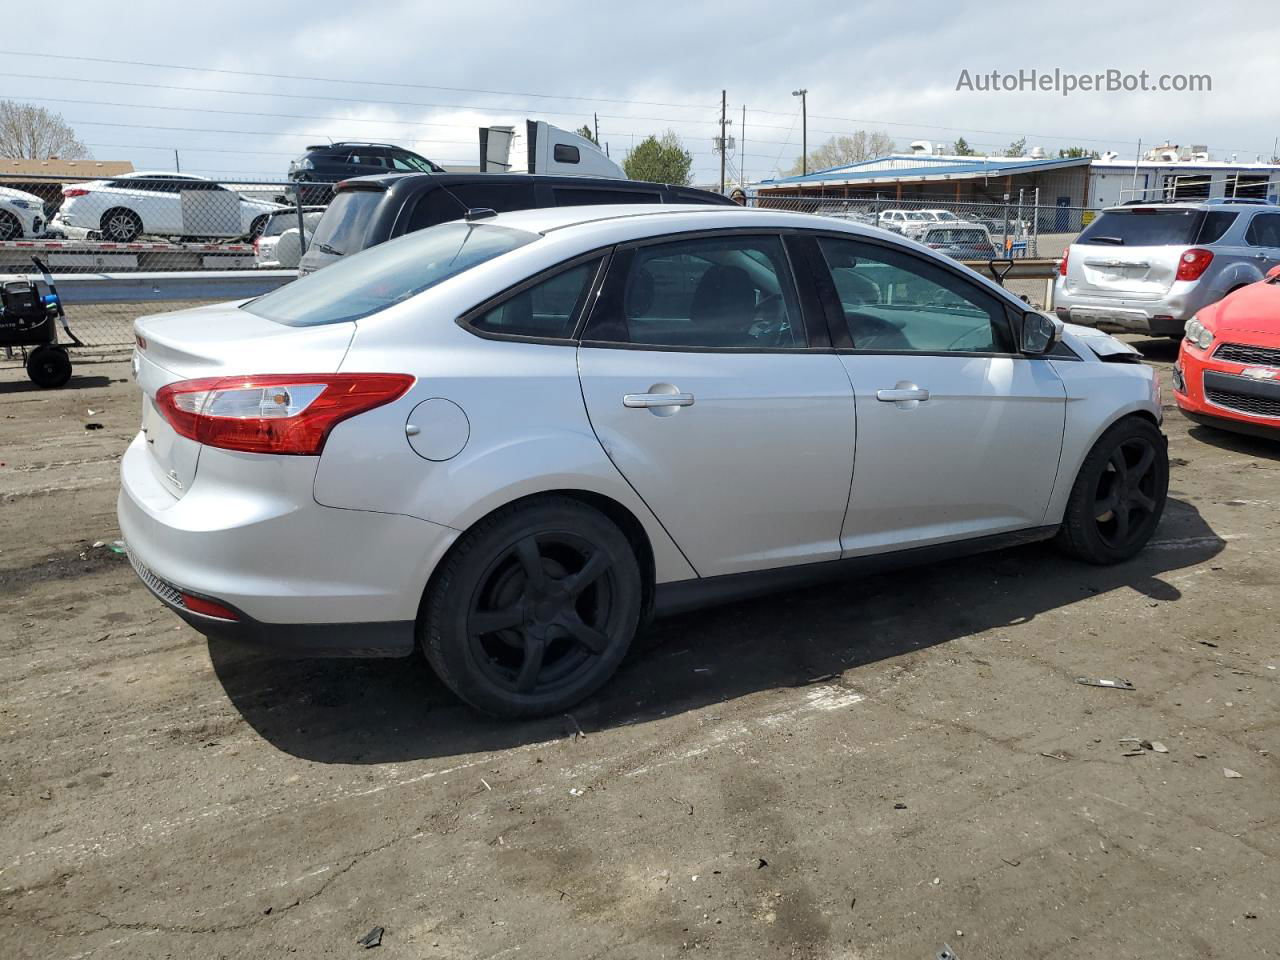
(643, 219)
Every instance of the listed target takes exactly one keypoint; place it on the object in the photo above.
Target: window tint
(722, 292)
(565, 153)
(1144, 227)
(1215, 225)
(1264, 230)
(893, 300)
(546, 309)
(584, 196)
(437, 206)
(357, 286)
(343, 227)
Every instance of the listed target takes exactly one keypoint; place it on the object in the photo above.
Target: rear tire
(121, 225)
(533, 609)
(49, 366)
(1119, 494)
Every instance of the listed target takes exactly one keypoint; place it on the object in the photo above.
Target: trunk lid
(213, 341)
(1136, 273)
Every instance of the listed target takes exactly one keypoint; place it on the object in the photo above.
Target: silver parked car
(960, 241)
(509, 441)
(1149, 267)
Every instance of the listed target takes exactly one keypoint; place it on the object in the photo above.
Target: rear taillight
(1062, 264)
(284, 414)
(255, 245)
(1193, 263)
(74, 192)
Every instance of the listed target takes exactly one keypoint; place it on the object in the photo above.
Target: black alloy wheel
(534, 608)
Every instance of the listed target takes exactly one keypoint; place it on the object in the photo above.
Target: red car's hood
(1253, 310)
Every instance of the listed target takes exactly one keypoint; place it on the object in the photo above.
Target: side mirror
(1039, 334)
(1274, 272)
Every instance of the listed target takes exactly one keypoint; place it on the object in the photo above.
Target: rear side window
(585, 196)
(344, 225)
(732, 292)
(438, 206)
(546, 309)
(1144, 227)
(1264, 231)
(1215, 225)
(387, 274)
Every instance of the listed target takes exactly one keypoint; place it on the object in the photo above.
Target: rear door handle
(903, 391)
(650, 400)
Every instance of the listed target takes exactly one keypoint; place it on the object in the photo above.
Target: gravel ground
(870, 769)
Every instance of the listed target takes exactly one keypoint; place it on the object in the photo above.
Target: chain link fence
(140, 225)
(1018, 228)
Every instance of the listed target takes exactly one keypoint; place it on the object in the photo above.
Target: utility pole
(742, 150)
(596, 118)
(803, 94)
(176, 165)
(723, 102)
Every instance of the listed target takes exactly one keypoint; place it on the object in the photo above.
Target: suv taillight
(1193, 263)
(283, 414)
(1062, 264)
(74, 192)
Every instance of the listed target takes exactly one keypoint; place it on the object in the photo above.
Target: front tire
(10, 226)
(533, 609)
(1118, 495)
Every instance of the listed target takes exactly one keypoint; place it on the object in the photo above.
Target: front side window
(897, 302)
(731, 292)
(547, 309)
(411, 162)
(386, 274)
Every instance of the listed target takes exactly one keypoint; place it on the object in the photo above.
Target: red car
(1228, 369)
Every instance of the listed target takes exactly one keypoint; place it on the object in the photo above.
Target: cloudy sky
(426, 75)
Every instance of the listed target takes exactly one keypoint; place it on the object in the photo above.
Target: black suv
(370, 210)
(329, 163)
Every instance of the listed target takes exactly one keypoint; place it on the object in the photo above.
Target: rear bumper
(302, 578)
(1166, 315)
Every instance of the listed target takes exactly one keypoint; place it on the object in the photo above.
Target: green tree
(841, 151)
(585, 131)
(1017, 149)
(1071, 153)
(660, 160)
(31, 132)
(961, 148)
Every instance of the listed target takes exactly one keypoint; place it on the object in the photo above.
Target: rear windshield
(1145, 227)
(387, 274)
(956, 236)
(280, 222)
(342, 228)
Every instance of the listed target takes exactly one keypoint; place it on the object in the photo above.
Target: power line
(344, 80)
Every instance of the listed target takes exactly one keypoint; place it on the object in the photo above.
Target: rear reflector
(282, 414)
(207, 608)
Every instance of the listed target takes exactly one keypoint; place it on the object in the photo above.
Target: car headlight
(1199, 334)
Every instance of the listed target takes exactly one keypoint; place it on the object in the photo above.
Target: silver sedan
(508, 441)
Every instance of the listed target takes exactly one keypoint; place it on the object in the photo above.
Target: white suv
(21, 214)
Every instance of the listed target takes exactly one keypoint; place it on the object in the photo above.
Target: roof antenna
(469, 214)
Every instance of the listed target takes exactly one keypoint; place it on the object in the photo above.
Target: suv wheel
(121, 225)
(533, 609)
(1118, 495)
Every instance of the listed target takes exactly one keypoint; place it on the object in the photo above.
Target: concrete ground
(870, 769)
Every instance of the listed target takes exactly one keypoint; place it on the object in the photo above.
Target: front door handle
(651, 400)
(902, 392)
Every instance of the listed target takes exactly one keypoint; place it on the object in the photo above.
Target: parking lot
(868, 769)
